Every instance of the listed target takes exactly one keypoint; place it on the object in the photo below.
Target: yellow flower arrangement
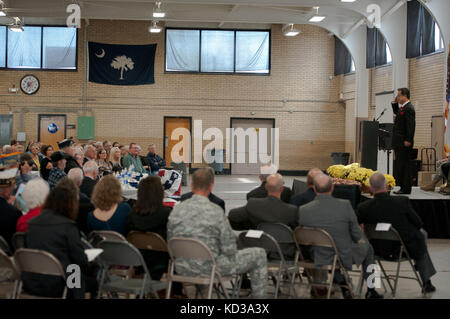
(356, 173)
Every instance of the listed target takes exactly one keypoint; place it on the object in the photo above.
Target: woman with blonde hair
(114, 159)
(110, 212)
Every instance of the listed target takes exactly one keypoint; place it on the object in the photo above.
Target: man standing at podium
(403, 139)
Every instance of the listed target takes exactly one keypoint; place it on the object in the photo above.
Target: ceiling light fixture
(157, 11)
(2, 11)
(289, 30)
(348, 0)
(317, 17)
(17, 26)
(155, 28)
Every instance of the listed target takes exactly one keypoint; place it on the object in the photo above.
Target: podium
(374, 137)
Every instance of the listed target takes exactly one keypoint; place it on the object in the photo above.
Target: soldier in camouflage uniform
(201, 219)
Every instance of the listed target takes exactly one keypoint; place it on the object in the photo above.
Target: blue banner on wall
(121, 64)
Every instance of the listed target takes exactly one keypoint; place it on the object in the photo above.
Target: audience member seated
(198, 218)
(84, 203)
(132, 158)
(79, 155)
(445, 168)
(336, 216)
(110, 213)
(156, 162)
(107, 147)
(397, 211)
(270, 209)
(55, 231)
(34, 195)
(25, 174)
(46, 163)
(66, 147)
(8, 213)
(150, 215)
(124, 150)
(90, 179)
(90, 153)
(34, 152)
(104, 166)
(115, 159)
(57, 172)
(116, 144)
(308, 195)
(261, 192)
(212, 198)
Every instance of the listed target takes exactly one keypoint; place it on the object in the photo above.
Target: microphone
(382, 113)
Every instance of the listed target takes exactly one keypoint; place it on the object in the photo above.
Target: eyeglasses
(30, 163)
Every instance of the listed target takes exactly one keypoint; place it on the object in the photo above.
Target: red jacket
(22, 223)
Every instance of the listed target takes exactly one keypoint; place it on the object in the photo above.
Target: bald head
(323, 184)
(274, 185)
(313, 172)
(378, 183)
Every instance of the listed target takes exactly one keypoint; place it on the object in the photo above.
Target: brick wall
(300, 69)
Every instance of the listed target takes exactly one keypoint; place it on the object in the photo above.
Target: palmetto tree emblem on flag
(122, 63)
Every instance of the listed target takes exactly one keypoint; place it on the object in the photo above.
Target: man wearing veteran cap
(58, 171)
(66, 146)
(8, 213)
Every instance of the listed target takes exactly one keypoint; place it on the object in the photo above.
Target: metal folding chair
(38, 262)
(147, 241)
(276, 267)
(9, 277)
(4, 246)
(119, 253)
(316, 237)
(96, 236)
(392, 235)
(190, 248)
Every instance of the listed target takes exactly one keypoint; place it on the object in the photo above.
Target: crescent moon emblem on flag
(101, 55)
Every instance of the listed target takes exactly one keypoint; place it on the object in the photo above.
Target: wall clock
(29, 84)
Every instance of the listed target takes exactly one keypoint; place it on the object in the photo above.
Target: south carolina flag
(118, 64)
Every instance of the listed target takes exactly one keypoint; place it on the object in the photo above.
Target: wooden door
(248, 167)
(170, 125)
(52, 129)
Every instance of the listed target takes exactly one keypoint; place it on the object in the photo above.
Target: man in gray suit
(270, 209)
(336, 216)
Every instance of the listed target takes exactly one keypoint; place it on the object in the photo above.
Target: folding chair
(276, 268)
(147, 241)
(38, 262)
(392, 235)
(9, 277)
(4, 246)
(119, 253)
(96, 236)
(316, 237)
(190, 248)
(19, 240)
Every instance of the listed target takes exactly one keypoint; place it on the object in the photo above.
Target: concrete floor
(233, 189)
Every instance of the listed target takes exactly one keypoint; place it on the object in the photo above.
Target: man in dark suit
(90, 179)
(8, 213)
(261, 191)
(308, 195)
(270, 209)
(336, 216)
(403, 139)
(398, 212)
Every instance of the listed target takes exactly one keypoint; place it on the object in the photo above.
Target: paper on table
(93, 253)
(254, 233)
(383, 227)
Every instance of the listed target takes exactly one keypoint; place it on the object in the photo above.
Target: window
(388, 54)
(59, 48)
(24, 48)
(217, 51)
(37, 47)
(2, 47)
(353, 67)
(438, 41)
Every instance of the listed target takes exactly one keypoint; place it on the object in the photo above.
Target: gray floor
(233, 189)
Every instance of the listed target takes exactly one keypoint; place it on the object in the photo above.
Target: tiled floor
(233, 189)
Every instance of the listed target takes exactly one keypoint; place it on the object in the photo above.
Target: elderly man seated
(397, 211)
(198, 218)
(261, 191)
(336, 216)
